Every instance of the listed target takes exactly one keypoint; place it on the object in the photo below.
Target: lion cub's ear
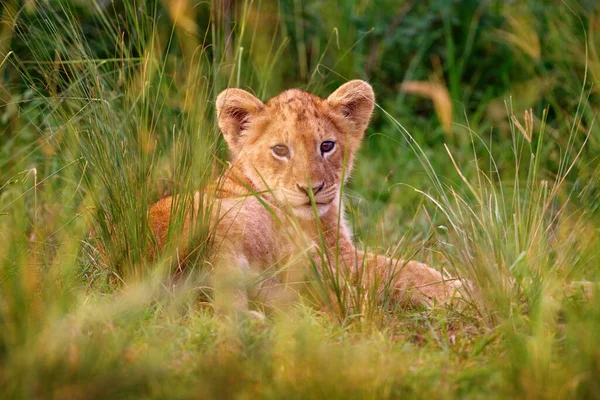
(235, 109)
(355, 101)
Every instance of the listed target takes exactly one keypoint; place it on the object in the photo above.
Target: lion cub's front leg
(230, 281)
(412, 281)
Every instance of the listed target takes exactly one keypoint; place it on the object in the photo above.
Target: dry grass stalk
(439, 95)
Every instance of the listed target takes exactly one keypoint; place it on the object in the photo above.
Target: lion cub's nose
(316, 189)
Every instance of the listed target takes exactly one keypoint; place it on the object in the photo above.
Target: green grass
(104, 110)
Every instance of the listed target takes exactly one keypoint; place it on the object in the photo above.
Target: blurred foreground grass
(482, 159)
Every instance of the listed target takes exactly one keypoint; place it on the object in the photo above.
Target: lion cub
(280, 195)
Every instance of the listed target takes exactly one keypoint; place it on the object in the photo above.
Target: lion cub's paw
(257, 316)
(433, 287)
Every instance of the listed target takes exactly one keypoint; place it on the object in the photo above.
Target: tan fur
(263, 217)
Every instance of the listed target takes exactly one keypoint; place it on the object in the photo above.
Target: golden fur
(264, 198)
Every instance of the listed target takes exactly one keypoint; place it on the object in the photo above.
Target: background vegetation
(482, 158)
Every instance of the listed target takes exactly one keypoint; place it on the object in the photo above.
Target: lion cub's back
(160, 215)
(243, 226)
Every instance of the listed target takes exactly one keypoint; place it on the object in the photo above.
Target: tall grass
(114, 113)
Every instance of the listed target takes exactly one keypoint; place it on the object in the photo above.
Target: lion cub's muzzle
(322, 194)
(315, 189)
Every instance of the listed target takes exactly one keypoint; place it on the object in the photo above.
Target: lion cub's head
(297, 142)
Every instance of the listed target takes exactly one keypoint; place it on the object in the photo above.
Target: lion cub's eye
(327, 146)
(280, 151)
